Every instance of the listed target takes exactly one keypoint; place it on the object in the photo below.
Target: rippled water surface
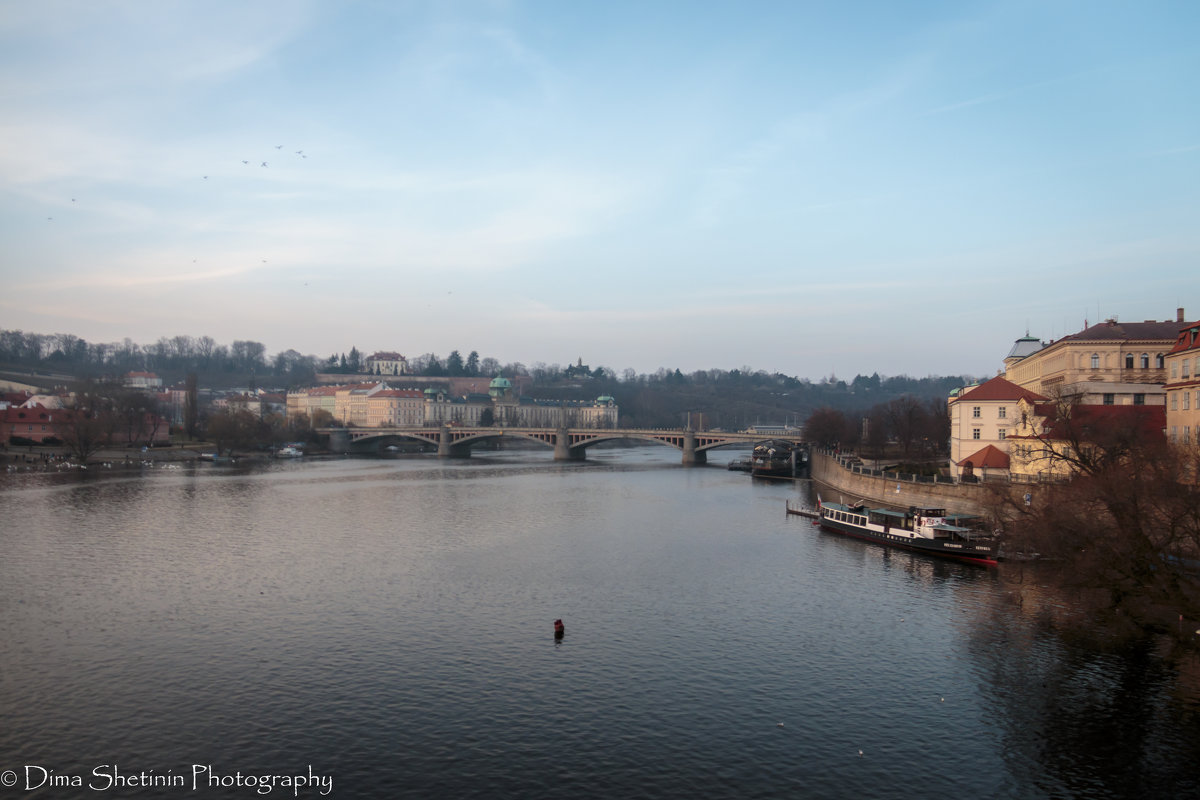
(389, 623)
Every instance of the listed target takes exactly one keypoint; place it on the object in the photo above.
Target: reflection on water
(390, 624)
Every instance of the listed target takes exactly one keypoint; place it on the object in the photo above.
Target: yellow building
(394, 407)
(1183, 387)
(1111, 363)
(981, 420)
(1048, 438)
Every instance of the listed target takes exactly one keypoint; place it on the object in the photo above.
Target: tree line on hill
(668, 398)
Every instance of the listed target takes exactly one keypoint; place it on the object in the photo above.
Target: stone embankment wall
(843, 485)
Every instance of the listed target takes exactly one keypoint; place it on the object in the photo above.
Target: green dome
(500, 383)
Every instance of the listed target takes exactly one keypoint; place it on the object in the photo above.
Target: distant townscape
(1029, 423)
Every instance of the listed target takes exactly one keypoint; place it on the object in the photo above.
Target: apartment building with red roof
(981, 420)
(1183, 387)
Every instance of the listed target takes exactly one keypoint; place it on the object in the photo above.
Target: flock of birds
(245, 162)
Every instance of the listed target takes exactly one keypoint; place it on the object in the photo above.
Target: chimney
(1179, 315)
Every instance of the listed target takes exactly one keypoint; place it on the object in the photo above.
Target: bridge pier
(563, 450)
(339, 440)
(448, 450)
(692, 456)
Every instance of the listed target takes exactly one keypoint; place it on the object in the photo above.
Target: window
(1003, 433)
(1159, 360)
(975, 433)
(1174, 371)
(1174, 401)
(1002, 413)
(1174, 434)
(1187, 434)
(1145, 361)
(1139, 399)
(976, 412)
(1095, 361)
(1186, 401)
(1129, 361)
(1109, 399)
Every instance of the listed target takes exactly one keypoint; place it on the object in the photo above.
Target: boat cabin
(929, 523)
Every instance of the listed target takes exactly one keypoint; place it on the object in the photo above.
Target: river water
(387, 626)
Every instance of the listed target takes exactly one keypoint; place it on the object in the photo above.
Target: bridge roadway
(570, 444)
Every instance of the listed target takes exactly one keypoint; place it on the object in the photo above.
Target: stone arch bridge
(570, 444)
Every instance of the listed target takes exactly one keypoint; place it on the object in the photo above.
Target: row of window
(1187, 434)
(977, 433)
(1144, 361)
(977, 412)
(842, 516)
(1183, 368)
(1110, 399)
(1186, 400)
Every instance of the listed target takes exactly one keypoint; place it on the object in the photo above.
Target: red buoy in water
(559, 629)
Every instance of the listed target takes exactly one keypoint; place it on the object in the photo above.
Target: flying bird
(264, 163)
(278, 147)
(245, 162)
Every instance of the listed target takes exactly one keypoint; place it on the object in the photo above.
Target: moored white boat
(925, 530)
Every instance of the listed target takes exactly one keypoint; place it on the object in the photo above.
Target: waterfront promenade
(851, 483)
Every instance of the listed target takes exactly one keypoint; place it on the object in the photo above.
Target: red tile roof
(991, 457)
(1000, 389)
(1110, 330)
(1189, 338)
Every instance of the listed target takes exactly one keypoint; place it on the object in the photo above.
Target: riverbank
(843, 481)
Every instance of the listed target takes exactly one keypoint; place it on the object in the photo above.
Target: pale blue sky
(792, 186)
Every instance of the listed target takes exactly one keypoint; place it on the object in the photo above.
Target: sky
(811, 188)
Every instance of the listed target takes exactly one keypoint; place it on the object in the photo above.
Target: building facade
(981, 419)
(386, 363)
(1183, 387)
(1111, 363)
(1046, 441)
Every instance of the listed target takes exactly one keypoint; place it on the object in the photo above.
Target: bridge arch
(570, 444)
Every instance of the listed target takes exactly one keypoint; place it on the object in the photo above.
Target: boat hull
(983, 556)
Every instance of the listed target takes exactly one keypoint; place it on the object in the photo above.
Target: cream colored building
(1043, 443)
(1111, 363)
(981, 419)
(1183, 387)
(305, 401)
(394, 407)
(386, 363)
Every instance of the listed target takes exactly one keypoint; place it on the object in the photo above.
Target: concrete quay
(839, 482)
